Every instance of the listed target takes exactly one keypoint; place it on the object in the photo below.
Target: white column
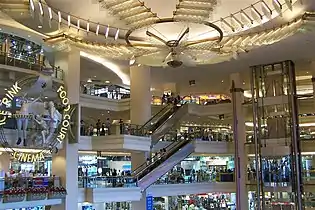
(65, 165)
(69, 62)
(140, 94)
(5, 159)
(65, 162)
(312, 67)
(239, 138)
(140, 113)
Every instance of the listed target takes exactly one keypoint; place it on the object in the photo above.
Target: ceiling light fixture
(110, 65)
(107, 32)
(97, 29)
(266, 9)
(117, 34)
(32, 5)
(87, 27)
(278, 6)
(40, 8)
(50, 13)
(78, 25)
(289, 4)
(246, 17)
(235, 20)
(69, 21)
(256, 13)
(132, 60)
(89, 80)
(40, 26)
(107, 81)
(227, 24)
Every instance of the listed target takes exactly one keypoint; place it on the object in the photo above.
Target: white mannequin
(43, 125)
(37, 108)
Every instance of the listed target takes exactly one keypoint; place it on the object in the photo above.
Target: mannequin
(40, 109)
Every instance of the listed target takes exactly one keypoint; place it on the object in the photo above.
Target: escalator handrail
(135, 171)
(166, 155)
(173, 145)
(178, 108)
(159, 112)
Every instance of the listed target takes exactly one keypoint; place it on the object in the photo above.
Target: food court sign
(51, 124)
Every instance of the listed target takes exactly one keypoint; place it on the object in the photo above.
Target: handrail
(10, 60)
(152, 160)
(166, 155)
(173, 146)
(159, 112)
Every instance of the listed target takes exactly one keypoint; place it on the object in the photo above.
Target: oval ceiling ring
(172, 20)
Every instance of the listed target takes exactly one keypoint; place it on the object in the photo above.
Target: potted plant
(14, 195)
(57, 193)
(36, 193)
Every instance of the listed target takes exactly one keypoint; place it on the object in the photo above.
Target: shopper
(98, 127)
(121, 126)
(82, 128)
(108, 124)
(102, 132)
(90, 130)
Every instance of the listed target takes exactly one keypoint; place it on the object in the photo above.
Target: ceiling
(209, 78)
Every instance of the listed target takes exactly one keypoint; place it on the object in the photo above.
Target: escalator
(164, 120)
(147, 174)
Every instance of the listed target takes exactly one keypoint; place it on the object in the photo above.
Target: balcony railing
(12, 60)
(18, 189)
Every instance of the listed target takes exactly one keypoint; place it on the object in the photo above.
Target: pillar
(239, 138)
(312, 67)
(65, 166)
(65, 162)
(5, 159)
(140, 113)
(69, 62)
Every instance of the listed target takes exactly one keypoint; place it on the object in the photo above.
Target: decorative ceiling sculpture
(195, 39)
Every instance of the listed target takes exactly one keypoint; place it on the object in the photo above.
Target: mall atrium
(157, 104)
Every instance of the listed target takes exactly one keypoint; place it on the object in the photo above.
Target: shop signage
(28, 157)
(51, 126)
(149, 202)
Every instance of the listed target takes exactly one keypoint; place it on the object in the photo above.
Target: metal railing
(12, 60)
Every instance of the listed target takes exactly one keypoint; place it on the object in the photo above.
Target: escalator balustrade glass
(159, 158)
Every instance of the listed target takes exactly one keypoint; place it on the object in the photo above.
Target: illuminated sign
(61, 133)
(11, 93)
(28, 157)
(66, 117)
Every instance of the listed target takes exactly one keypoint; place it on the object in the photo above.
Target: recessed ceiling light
(243, 83)
(89, 80)
(40, 26)
(94, 76)
(5, 89)
(28, 36)
(307, 72)
(107, 81)
(46, 97)
(222, 81)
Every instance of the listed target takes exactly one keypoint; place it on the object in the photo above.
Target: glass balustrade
(18, 189)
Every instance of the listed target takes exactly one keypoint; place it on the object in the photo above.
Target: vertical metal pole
(296, 144)
(259, 131)
(236, 156)
(257, 165)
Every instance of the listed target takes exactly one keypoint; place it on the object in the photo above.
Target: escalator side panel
(166, 166)
(168, 124)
